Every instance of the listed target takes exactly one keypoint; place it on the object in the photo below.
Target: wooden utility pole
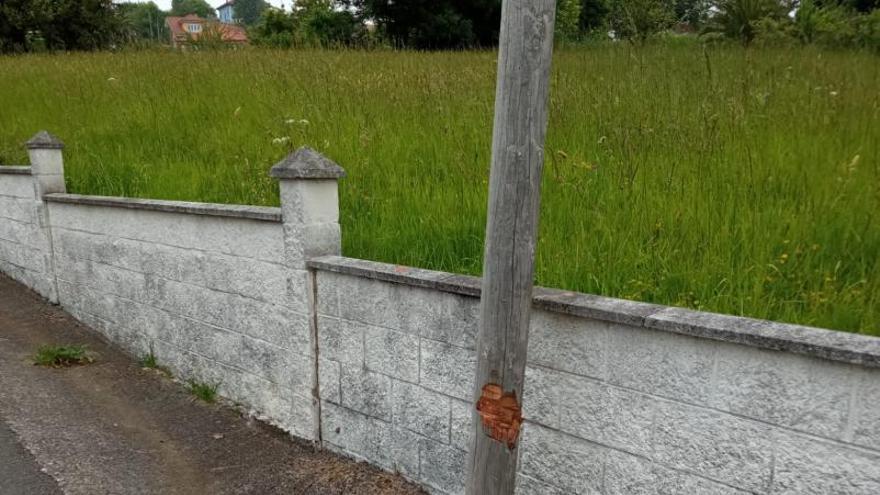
(521, 101)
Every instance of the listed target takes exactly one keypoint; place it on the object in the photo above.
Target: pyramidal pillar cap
(44, 141)
(307, 164)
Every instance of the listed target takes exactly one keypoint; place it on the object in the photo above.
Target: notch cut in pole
(521, 101)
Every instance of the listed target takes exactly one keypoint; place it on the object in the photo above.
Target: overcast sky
(166, 4)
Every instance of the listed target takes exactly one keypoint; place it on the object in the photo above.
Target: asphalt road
(19, 472)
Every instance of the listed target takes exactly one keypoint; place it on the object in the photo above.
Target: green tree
(594, 15)
(638, 20)
(248, 12)
(691, 12)
(568, 17)
(321, 23)
(275, 29)
(434, 24)
(863, 6)
(739, 19)
(59, 24)
(197, 7)
(144, 21)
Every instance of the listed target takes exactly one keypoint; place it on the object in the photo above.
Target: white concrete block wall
(25, 254)
(210, 295)
(396, 366)
(610, 407)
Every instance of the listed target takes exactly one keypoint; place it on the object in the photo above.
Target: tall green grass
(743, 182)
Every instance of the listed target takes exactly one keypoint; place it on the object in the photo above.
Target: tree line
(32, 25)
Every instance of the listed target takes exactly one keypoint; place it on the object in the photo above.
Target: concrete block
(568, 343)
(630, 475)
(265, 281)
(436, 315)
(605, 414)
(371, 301)
(328, 293)
(670, 482)
(718, 446)
(626, 474)
(341, 340)
(27, 234)
(310, 201)
(275, 324)
(366, 392)
(27, 257)
(529, 486)
(241, 237)
(329, 380)
(89, 301)
(462, 420)
(805, 466)
(293, 372)
(18, 209)
(48, 184)
(566, 462)
(371, 439)
(798, 392)
(444, 317)
(302, 242)
(866, 417)
(541, 395)
(660, 363)
(442, 467)
(17, 186)
(447, 369)
(99, 276)
(392, 353)
(420, 410)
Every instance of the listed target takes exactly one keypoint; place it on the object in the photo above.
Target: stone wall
(220, 294)
(208, 294)
(620, 397)
(24, 242)
(377, 361)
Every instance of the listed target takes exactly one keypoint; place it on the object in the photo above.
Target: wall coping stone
(261, 213)
(44, 141)
(826, 344)
(15, 170)
(305, 164)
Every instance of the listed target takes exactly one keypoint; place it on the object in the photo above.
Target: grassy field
(743, 182)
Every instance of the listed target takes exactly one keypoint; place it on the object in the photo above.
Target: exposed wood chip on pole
(525, 52)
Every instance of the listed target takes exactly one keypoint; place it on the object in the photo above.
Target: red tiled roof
(229, 32)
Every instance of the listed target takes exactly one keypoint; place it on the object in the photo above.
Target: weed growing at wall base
(60, 356)
(729, 180)
(204, 391)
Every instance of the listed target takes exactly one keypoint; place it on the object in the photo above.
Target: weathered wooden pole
(521, 101)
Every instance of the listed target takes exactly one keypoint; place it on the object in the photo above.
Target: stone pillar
(309, 205)
(47, 170)
(47, 163)
(310, 216)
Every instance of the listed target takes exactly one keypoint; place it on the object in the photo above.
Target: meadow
(724, 179)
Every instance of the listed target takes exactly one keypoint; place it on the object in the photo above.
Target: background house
(192, 28)
(226, 12)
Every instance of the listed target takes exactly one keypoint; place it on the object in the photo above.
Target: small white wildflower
(111, 79)
(303, 122)
(281, 140)
(834, 93)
